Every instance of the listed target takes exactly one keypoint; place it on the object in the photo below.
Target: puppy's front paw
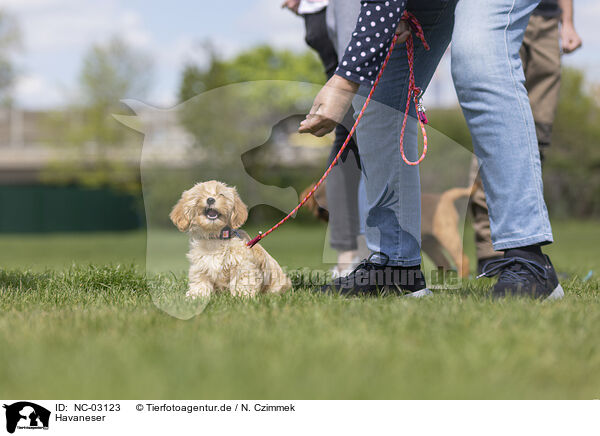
(198, 292)
(244, 292)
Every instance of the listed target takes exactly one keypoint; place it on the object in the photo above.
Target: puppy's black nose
(210, 201)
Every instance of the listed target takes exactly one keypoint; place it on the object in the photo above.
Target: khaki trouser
(540, 54)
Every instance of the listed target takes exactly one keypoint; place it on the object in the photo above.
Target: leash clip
(255, 241)
(421, 109)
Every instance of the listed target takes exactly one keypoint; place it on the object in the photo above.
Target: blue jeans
(489, 81)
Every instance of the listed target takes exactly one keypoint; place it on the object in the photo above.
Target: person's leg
(392, 187)
(540, 56)
(341, 21)
(489, 81)
(542, 75)
(481, 220)
(342, 183)
(479, 210)
(393, 225)
(342, 197)
(317, 38)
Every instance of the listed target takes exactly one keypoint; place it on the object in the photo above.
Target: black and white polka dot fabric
(371, 40)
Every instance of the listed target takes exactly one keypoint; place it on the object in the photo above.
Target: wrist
(567, 24)
(343, 84)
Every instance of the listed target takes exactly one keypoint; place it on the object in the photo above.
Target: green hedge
(44, 208)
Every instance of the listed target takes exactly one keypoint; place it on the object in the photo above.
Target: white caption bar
(249, 417)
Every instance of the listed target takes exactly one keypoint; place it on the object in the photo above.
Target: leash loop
(415, 95)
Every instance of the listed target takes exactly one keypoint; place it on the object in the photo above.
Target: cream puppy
(211, 213)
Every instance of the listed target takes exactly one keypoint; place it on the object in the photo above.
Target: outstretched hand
(330, 106)
(334, 99)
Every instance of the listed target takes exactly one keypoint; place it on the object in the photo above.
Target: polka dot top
(371, 40)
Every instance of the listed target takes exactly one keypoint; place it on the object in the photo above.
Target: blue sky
(56, 34)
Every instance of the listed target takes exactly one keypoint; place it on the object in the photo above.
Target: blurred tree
(221, 120)
(259, 63)
(572, 171)
(102, 151)
(9, 41)
(451, 123)
(113, 71)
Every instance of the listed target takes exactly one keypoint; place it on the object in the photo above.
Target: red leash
(414, 93)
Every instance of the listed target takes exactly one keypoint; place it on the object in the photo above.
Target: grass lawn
(77, 320)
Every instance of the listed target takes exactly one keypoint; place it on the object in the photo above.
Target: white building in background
(28, 145)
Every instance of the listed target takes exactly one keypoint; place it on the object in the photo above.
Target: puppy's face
(209, 207)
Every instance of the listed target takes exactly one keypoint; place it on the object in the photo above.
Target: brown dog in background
(439, 225)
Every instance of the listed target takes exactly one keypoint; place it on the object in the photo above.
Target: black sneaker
(373, 279)
(481, 263)
(520, 277)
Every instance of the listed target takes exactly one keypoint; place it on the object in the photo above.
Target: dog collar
(228, 233)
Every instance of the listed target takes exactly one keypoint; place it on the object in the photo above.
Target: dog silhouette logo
(26, 415)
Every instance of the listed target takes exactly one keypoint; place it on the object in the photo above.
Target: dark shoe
(520, 277)
(481, 263)
(372, 279)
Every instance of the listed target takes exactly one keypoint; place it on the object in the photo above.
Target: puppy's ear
(239, 215)
(179, 216)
